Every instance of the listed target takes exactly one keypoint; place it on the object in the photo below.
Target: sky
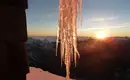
(109, 16)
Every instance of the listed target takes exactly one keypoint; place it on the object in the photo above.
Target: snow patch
(38, 74)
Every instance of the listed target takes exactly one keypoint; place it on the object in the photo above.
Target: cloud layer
(103, 19)
(106, 27)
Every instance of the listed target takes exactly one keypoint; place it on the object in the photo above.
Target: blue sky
(111, 16)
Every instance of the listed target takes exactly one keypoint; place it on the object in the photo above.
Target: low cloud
(103, 19)
(107, 27)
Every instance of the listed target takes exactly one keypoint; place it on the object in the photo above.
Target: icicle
(67, 32)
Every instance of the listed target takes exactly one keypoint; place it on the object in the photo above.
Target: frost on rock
(67, 31)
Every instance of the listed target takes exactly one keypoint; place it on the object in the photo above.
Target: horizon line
(77, 36)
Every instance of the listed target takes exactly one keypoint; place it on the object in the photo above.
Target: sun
(101, 35)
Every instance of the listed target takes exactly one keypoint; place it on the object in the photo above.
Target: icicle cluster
(67, 32)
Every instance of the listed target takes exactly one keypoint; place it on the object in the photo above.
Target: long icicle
(67, 32)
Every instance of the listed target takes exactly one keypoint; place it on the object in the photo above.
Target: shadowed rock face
(103, 60)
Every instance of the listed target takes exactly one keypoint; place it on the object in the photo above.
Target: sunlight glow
(101, 35)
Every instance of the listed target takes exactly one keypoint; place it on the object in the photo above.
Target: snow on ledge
(38, 74)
